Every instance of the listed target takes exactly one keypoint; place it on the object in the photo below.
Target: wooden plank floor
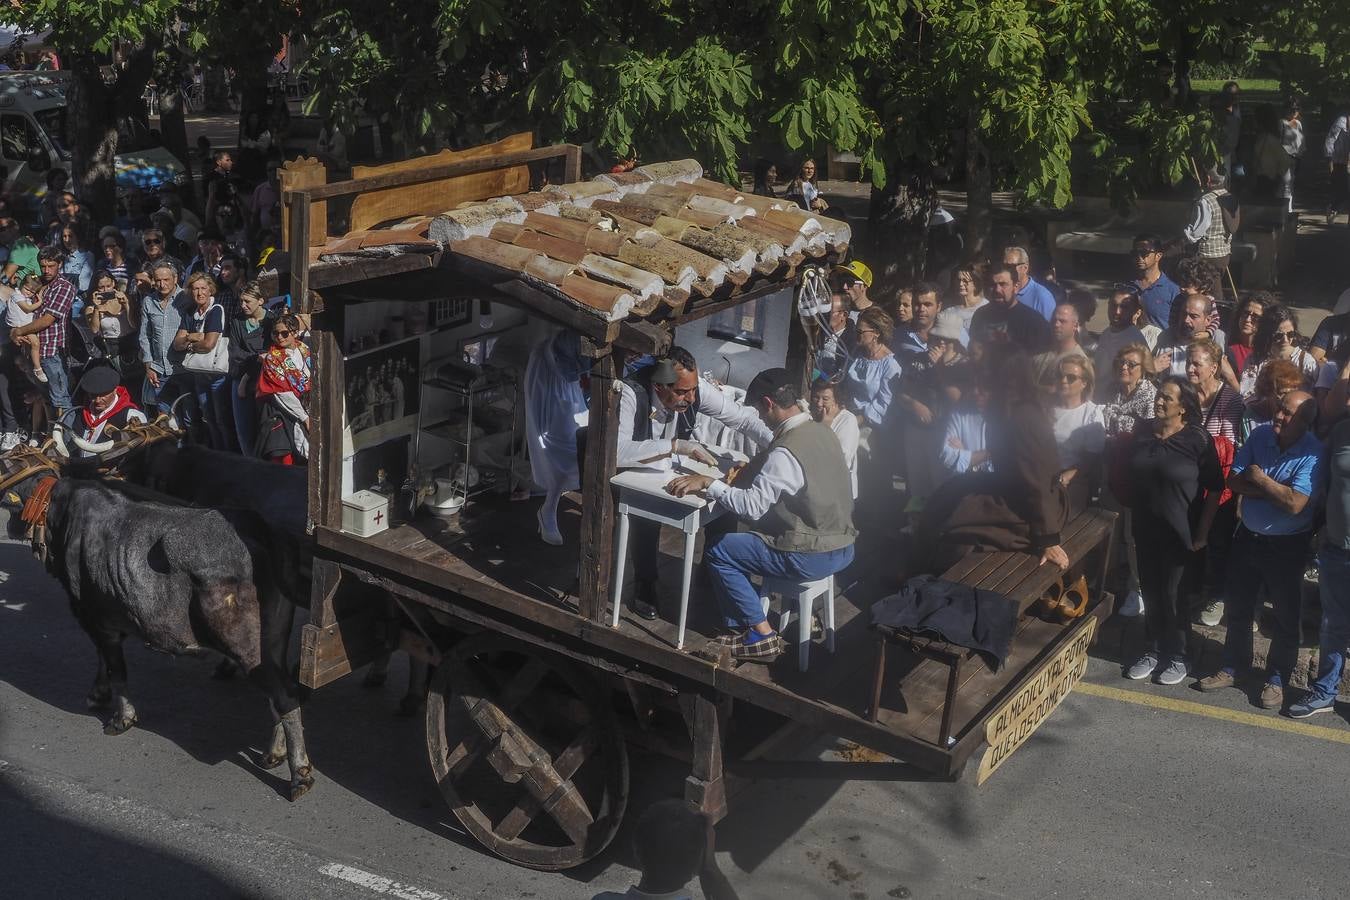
(496, 547)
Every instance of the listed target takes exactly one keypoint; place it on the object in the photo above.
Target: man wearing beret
(104, 402)
(795, 501)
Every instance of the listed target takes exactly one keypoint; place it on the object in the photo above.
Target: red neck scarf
(122, 402)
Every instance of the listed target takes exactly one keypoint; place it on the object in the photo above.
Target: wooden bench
(1020, 577)
(1262, 248)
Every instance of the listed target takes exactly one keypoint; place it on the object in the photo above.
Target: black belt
(1274, 538)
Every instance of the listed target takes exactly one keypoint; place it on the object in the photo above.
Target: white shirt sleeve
(718, 406)
(1092, 434)
(630, 452)
(291, 403)
(957, 461)
(1196, 230)
(1333, 136)
(781, 474)
(845, 427)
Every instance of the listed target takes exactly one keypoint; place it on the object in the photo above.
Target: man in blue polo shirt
(1156, 291)
(1030, 292)
(1278, 473)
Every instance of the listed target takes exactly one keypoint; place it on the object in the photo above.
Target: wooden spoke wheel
(526, 751)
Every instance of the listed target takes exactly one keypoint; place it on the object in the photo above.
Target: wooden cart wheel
(527, 752)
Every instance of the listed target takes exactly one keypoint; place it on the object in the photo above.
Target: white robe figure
(555, 408)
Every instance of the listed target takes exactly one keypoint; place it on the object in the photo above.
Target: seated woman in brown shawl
(1020, 505)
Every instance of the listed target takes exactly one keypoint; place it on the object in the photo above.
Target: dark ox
(182, 579)
(280, 495)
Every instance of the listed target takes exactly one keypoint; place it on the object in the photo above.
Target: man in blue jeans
(796, 501)
(49, 324)
(1278, 473)
(1333, 564)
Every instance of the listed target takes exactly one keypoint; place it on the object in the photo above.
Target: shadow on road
(47, 854)
(352, 735)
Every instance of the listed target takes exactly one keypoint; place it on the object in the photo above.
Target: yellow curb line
(1273, 721)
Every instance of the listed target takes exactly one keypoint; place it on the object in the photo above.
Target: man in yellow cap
(855, 278)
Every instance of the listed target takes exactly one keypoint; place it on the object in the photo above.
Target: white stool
(805, 594)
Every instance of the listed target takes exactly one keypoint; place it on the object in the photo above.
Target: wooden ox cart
(535, 698)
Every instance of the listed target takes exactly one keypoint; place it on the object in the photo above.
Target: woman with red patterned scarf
(106, 403)
(283, 393)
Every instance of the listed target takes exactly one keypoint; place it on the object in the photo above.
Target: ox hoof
(98, 699)
(408, 707)
(119, 724)
(374, 679)
(271, 762)
(300, 785)
(224, 670)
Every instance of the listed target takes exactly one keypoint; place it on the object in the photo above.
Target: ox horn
(95, 449)
(58, 441)
(174, 422)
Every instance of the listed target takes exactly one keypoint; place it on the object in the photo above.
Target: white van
(33, 139)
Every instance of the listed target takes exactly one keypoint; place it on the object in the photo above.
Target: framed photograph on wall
(383, 389)
(449, 313)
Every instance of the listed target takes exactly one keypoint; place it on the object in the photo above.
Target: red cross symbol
(379, 517)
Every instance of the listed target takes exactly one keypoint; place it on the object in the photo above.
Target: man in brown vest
(795, 501)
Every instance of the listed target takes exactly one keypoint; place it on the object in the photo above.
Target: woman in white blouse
(1276, 338)
(1079, 426)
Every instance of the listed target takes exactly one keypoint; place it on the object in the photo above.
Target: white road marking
(379, 884)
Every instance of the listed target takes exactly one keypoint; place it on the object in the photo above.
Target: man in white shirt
(1216, 219)
(658, 406)
(1337, 150)
(794, 499)
(1169, 354)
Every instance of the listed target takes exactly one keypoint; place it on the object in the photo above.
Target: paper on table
(684, 465)
(726, 461)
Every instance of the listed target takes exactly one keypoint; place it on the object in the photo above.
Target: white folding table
(642, 493)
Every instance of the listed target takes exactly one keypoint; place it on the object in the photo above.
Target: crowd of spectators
(1218, 438)
(164, 296)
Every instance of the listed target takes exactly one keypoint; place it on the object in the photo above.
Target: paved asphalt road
(1114, 797)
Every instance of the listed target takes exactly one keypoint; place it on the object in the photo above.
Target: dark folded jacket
(983, 621)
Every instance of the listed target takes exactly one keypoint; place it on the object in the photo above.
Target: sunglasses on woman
(281, 334)
(1285, 337)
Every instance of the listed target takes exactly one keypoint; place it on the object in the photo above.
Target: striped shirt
(120, 273)
(1223, 414)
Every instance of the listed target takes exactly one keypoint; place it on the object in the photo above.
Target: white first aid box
(365, 513)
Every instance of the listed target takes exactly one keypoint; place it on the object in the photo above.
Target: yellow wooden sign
(1019, 717)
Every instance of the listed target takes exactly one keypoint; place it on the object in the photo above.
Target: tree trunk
(173, 129)
(897, 225)
(216, 89)
(1186, 41)
(92, 115)
(979, 191)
